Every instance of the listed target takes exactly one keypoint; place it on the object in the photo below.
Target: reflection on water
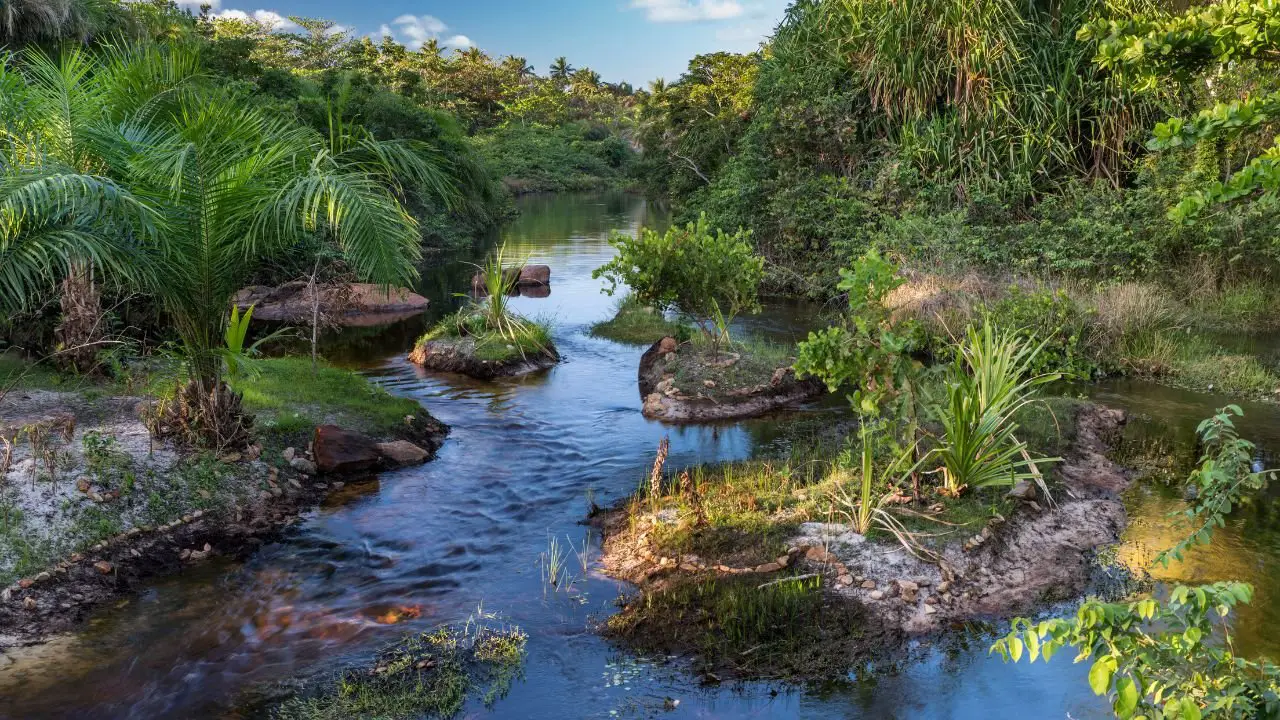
(428, 545)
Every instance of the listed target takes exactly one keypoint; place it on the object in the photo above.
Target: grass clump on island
(425, 675)
(530, 339)
(636, 323)
(729, 365)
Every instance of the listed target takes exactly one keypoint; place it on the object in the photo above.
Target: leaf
(1015, 649)
(1126, 697)
(1190, 710)
(1100, 675)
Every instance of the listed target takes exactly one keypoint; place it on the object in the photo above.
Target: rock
(197, 514)
(303, 465)
(76, 557)
(768, 567)
(276, 492)
(944, 587)
(818, 555)
(845, 580)
(783, 560)
(295, 484)
(96, 497)
(342, 451)
(403, 453)
(535, 275)
(187, 519)
(1024, 490)
(230, 458)
(289, 454)
(42, 577)
(186, 553)
(930, 610)
(104, 567)
(908, 590)
(337, 485)
(83, 485)
(29, 603)
(25, 583)
(868, 584)
(667, 345)
(877, 595)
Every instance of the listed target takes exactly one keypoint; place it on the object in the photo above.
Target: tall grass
(989, 381)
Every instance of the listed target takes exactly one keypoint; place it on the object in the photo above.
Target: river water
(525, 459)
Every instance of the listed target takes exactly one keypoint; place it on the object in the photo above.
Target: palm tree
(30, 21)
(561, 69)
(192, 196)
(519, 67)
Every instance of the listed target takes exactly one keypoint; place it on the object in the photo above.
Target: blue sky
(632, 40)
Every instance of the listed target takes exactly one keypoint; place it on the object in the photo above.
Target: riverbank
(1130, 329)
(750, 561)
(93, 505)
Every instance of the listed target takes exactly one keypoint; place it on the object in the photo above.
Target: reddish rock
(26, 583)
(667, 345)
(103, 567)
(535, 275)
(341, 451)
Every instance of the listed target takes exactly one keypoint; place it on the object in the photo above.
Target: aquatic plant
(865, 510)
(986, 385)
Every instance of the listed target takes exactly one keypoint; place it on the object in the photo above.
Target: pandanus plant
(190, 194)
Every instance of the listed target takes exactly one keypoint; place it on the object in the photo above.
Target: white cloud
(665, 11)
(415, 30)
(195, 4)
(462, 42)
(270, 18)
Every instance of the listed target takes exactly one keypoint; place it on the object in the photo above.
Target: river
(525, 459)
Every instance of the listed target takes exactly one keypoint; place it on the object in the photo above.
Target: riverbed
(464, 535)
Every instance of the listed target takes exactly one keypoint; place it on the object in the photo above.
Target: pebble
(868, 584)
(187, 518)
(768, 567)
(783, 560)
(197, 514)
(6, 595)
(76, 557)
(845, 580)
(29, 603)
(289, 453)
(930, 610)
(276, 492)
(877, 594)
(295, 484)
(42, 577)
(337, 485)
(103, 567)
(25, 583)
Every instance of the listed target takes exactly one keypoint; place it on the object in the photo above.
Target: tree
(709, 275)
(1150, 48)
(561, 69)
(200, 191)
(33, 21)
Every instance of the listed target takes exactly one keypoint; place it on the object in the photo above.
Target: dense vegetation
(956, 136)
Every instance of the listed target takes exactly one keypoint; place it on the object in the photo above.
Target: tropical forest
(689, 358)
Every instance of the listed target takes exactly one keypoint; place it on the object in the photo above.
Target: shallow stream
(434, 544)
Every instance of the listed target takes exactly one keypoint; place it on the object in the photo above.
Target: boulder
(342, 451)
(535, 275)
(403, 453)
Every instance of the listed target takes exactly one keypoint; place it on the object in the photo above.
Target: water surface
(465, 531)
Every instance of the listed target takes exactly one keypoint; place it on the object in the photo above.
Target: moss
(737, 627)
(425, 675)
(638, 324)
(289, 400)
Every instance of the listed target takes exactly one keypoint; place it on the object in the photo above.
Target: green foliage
(987, 384)
(1225, 480)
(425, 675)
(635, 323)
(1055, 321)
(569, 157)
(869, 354)
(1158, 659)
(697, 271)
(1224, 35)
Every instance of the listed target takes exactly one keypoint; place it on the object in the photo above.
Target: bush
(709, 276)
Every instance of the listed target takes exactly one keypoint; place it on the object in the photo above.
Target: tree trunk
(79, 335)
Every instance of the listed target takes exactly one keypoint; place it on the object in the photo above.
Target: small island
(486, 340)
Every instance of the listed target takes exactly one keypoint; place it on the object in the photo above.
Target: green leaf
(1100, 675)
(1126, 697)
